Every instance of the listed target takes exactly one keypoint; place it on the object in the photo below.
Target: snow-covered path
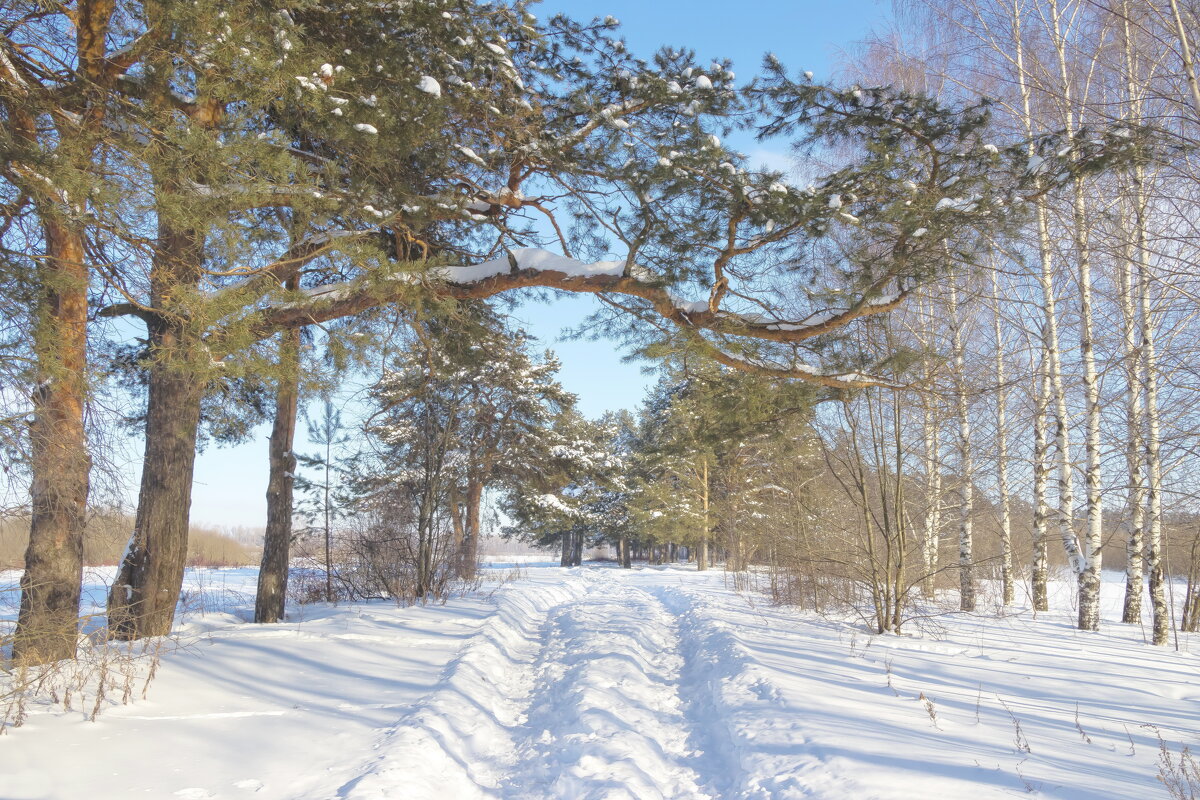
(599, 683)
(576, 695)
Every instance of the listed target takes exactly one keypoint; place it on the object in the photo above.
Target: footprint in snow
(250, 785)
(194, 793)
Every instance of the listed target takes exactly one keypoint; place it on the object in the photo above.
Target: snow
(365, 128)
(429, 85)
(527, 258)
(603, 683)
(964, 204)
(689, 306)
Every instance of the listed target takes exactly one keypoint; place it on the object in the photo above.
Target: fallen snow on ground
(598, 683)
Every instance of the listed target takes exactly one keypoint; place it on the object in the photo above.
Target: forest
(942, 362)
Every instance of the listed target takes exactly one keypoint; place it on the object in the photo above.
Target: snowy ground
(603, 683)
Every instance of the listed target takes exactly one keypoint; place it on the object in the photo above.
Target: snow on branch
(538, 268)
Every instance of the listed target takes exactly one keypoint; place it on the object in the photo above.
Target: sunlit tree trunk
(1006, 554)
(1089, 569)
(966, 468)
(1050, 340)
(273, 573)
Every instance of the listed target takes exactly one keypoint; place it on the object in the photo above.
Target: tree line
(189, 189)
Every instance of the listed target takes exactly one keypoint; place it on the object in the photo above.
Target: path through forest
(599, 683)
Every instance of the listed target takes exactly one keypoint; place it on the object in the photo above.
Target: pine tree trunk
(273, 573)
(470, 550)
(47, 624)
(142, 599)
(60, 460)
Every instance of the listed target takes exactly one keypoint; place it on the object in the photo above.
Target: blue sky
(806, 35)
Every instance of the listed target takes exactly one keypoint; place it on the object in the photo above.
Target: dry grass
(102, 675)
(107, 534)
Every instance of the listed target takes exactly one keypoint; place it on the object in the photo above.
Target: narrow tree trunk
(933, 499)
(48, 620)
(1050, 338)
(1190, 620)
(1134, 452)
(1091, 558)
(1134, 402)
(966, 558)
(1089, 579)
(1040, 572)
(1154, 538)
(1006, 554)
(702, 551)
(273, 574)
(458, 527)
(1185, 55)
(328, 511)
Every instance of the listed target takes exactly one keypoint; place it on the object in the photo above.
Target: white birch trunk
(966, 559)
(1089, 574)
(1154, 538)
(933, 494)
(1134, 404)
(1050, 339)
(1006, 555)
(1039, 577)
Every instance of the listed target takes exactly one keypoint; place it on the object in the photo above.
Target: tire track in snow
(458, 742)
(743, 715)
(607, 721)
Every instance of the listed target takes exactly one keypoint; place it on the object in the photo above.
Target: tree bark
(469, 559)
(142, 599)
(1135, 503)
(47, 624)
(702, 552)
(1154, 539)
(966, 558)
(273, 574)
(1089, 570)
(1050, 339)
(1040, 572)
(60, 461)
(1006, 553)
